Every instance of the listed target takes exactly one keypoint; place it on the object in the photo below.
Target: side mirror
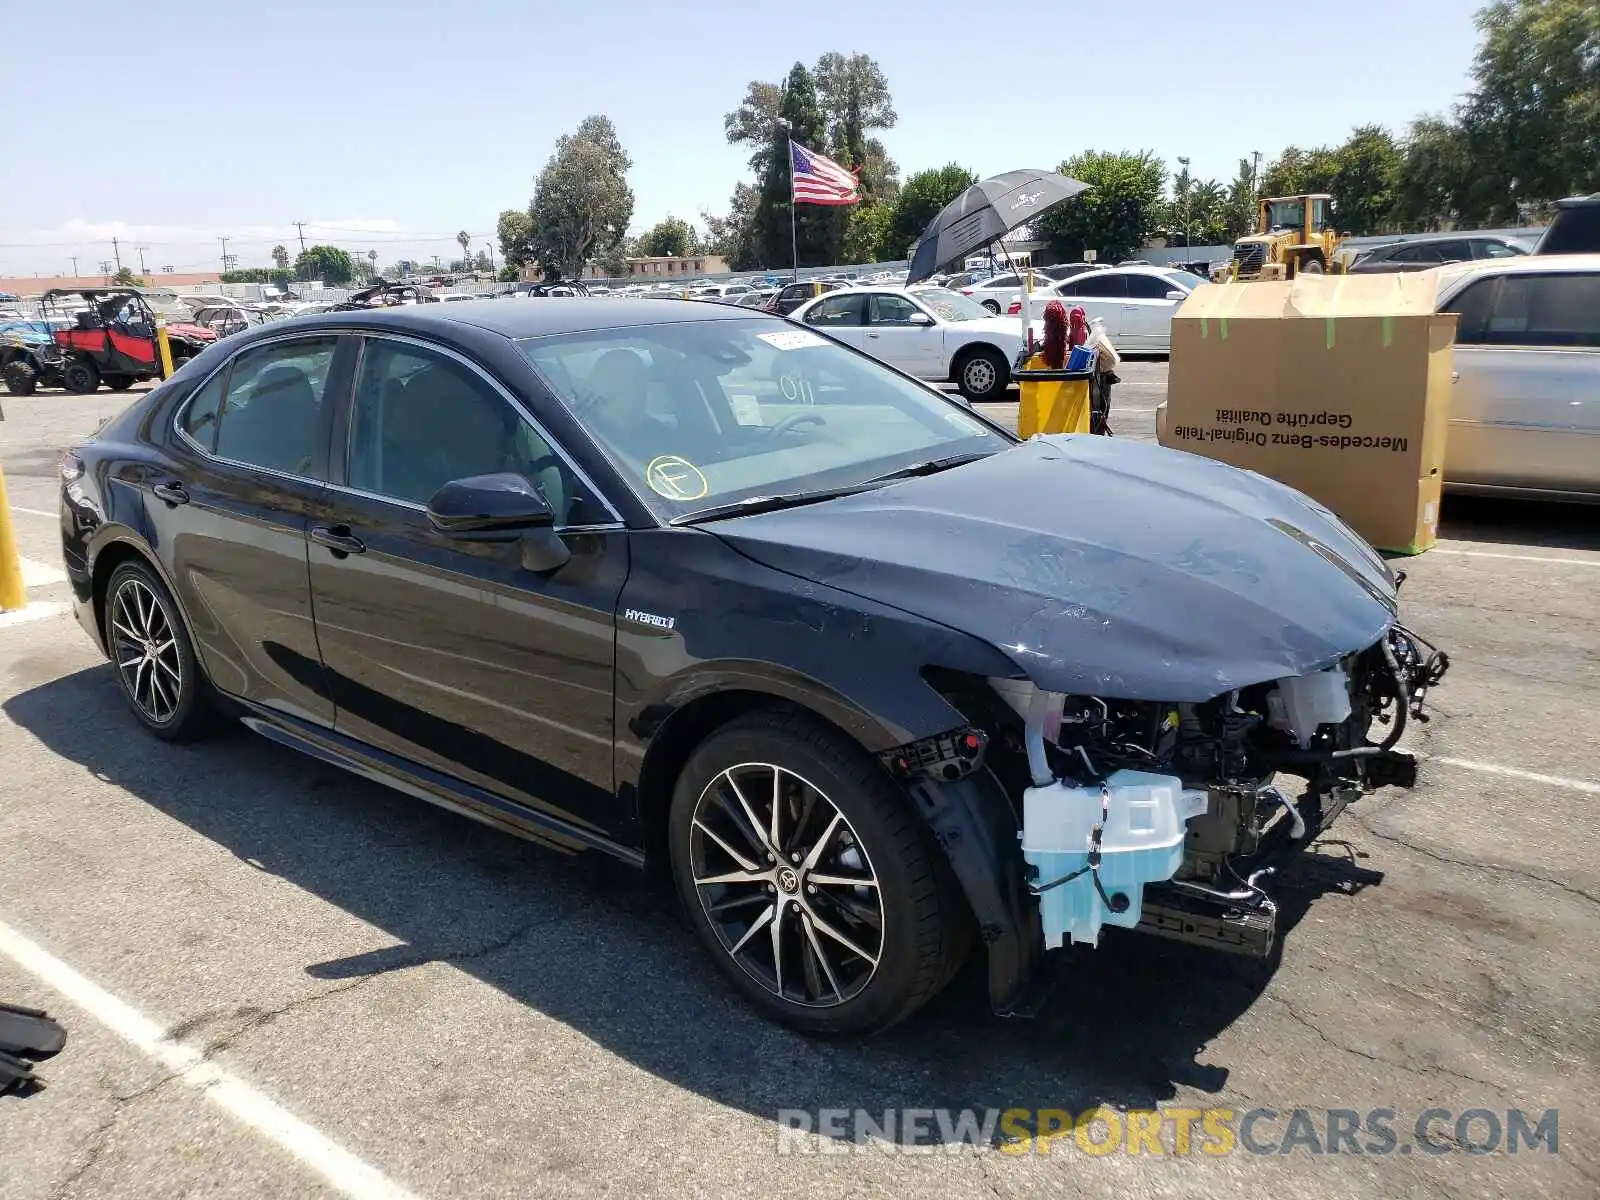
(1175, 294)
(503, 507)
(503, 503)
(920, 318)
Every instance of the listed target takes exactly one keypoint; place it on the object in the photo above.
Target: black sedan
(700, 588)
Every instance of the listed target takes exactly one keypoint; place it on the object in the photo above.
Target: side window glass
(199, 419)
(1562, 310)
(1102, 285)
(1472, 308)
(420, 419)
(1148, 287)
(890, 310)
(272, 409)
(1497, 250)
(840, 310)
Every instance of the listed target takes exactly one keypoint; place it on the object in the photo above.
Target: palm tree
(281, 257)
(465, 239)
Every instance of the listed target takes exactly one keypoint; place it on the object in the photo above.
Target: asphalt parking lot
(280, 980)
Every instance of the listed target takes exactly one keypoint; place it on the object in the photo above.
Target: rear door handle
(172, 491)
(338, 539)
(1455, 376)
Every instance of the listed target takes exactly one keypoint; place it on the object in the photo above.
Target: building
(32, 285)
(667, 266)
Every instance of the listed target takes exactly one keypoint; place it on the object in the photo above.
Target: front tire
(1309, 266)
(983, 375)
(80, 376)
(154, 658)
(809, 878)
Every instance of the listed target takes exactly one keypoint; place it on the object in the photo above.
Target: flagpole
(794, 240)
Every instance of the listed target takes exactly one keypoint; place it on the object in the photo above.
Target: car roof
(541, 317)
(1522, 264)
(1579, 201)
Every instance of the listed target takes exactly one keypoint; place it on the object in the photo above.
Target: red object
(1014, 309)
(1055, 334)
(1079, 322)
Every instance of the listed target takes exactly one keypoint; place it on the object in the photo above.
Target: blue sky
(392, 125)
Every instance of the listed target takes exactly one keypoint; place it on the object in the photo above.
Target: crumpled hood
(1100, 566)
(189, 329)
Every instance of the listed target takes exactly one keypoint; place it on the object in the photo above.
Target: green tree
(1434, 175)
(1118, 212)
(919, 201)
(816, 237)
(1239, 212)
(464, 240)
(854, 97)
(1298, 171)
(127, 278)
(733, 236)
(514, 232)
(865, 230)
(751, 124)
(327, 263)
(280, 257)
(280, 277)
(670, 236)
(1363, 181)
(581, 202)
(1534, 114)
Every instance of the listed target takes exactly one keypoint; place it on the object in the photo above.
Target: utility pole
(142, 249)
(490, 248)
(224, 242)
(300, 226)
(105, 268)
(1255, 171)
(116, 253)
(74, 266)
(1187, 203)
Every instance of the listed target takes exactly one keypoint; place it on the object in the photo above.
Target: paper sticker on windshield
(746, 410)
(675, 478)
(792, 339)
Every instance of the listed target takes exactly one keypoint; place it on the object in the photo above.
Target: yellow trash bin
(1052, 401)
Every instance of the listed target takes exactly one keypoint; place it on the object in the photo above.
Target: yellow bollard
(11, 593)
(163, 346)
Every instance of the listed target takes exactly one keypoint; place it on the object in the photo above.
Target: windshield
(697, 415)
(952, 306)
(1286, 214)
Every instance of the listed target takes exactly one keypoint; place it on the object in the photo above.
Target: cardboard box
(1336, 385)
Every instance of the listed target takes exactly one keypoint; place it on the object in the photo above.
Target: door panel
(233, 534)
(1525, 417)
(447, 651)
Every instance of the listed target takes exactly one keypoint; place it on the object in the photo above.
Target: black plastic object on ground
(26, 1035)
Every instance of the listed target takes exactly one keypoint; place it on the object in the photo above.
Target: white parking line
(1569, 562)
(38, 574)
(259, 1112)
(1466, 764)
(34, 512)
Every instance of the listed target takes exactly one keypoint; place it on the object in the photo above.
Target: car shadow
(599, 947)
(1520, 522)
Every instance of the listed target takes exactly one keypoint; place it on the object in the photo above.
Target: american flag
(820, 180)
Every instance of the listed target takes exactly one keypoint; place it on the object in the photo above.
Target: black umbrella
(987, 210)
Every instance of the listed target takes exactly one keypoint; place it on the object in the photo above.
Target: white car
(716, 291)
(999, 292)
(931, 333)
(1136, 303)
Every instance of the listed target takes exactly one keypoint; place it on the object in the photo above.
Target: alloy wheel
(787, 885)
(145, 649)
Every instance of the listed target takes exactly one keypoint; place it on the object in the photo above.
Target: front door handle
(172, 491)
(338, 539)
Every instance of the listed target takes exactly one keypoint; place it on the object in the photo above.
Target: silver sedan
(1525, 403)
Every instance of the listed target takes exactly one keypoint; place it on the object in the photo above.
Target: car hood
(1100, 566)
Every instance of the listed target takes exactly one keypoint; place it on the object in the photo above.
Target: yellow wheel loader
(1294, 236)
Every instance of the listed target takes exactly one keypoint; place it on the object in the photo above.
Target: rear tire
(993, 306)
(983, 375)
(847, 958)
(80, 376)
(153, 657)
(21, 379)
(119, 383)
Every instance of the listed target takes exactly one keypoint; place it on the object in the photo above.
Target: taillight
(1014, 309)
(966, 291)
(70, 467)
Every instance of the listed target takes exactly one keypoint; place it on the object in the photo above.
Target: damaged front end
(1168, 818)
